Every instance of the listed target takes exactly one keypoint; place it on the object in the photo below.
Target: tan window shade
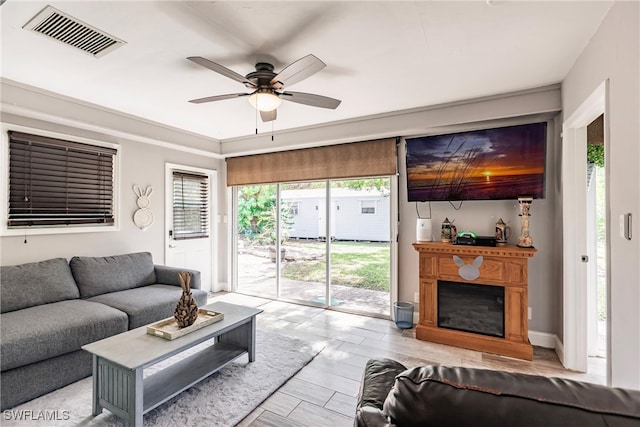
(358, 159)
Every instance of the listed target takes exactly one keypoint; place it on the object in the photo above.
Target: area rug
(223, 399)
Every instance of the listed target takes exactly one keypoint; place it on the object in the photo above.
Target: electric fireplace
(475, 297)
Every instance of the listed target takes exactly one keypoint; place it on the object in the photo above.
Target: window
(190, 205)
(368, 206)
(53, 182)
(294, 208)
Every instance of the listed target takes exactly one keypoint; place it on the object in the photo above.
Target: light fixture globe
(264, 100)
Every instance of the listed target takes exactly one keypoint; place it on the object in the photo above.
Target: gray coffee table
(119, 361)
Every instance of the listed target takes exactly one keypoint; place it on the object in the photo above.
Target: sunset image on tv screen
(490, 164)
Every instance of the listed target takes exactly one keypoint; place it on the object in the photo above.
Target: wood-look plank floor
(324, 392)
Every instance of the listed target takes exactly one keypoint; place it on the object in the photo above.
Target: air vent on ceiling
(73, 32)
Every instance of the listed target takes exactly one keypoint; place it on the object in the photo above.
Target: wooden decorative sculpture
(187, 309)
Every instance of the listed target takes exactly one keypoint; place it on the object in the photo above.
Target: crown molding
(26, 101)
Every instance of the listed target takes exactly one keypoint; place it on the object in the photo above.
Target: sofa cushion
(36, 283)
(37, 333)
(148, 304)
(439, 395)
(100, 275)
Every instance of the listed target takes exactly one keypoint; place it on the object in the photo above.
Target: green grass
(356, 264)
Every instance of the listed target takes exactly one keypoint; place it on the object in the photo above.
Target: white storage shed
(356, 215)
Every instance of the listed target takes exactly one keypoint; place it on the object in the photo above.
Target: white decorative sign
(143, 217)
(468, 271)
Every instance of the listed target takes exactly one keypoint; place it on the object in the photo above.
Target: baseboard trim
(539, 339)
(222, 286)
(560, 351)
(543, 339)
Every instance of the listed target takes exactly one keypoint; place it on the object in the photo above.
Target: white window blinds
(190, 205)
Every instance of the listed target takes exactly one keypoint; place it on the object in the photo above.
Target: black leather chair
(392, 395)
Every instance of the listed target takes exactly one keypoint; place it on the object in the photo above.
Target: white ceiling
(381, 56)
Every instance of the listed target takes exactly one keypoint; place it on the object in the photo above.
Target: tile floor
(324, 392)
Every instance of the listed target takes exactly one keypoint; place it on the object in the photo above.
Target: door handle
(172, 246)
(627, 227)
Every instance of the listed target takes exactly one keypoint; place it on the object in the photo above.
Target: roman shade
(54, 182)
(354, 160)
(190, 205)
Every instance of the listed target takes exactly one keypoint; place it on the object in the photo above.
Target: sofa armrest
(378, 378)
(368, 416)
(169, 276)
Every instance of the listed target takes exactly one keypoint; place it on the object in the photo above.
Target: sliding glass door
(303, 273)
(333, 237)
(256, 228)
(360, 273)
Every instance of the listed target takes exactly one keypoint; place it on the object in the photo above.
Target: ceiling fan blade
(218, 98)
(221, 70)
(311, 99)
(268, 116)
(298, 71)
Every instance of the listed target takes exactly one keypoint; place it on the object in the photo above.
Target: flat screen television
(489, 164)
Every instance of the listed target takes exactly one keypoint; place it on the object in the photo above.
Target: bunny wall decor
(143, 217)
(468, 271)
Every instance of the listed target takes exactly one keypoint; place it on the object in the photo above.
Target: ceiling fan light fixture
(264, 100)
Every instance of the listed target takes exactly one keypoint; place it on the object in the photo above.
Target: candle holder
(525, 240)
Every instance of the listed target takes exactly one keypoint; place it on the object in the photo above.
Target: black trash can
(403, 313)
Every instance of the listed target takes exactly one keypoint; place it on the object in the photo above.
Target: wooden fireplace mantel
(504, 266)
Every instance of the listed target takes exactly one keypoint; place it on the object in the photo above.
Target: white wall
(613, 54)
(142, 164)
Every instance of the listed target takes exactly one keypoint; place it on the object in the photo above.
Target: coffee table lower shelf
(117, 381)
(165, 384)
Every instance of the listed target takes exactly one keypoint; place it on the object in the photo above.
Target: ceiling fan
(269, 86)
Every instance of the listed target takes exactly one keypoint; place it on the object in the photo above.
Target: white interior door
(575, 246)
(190, 221)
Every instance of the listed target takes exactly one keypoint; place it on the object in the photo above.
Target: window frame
(374, 207)
(294, 208)
(57, 229)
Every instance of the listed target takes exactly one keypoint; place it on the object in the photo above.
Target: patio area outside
(359, 271)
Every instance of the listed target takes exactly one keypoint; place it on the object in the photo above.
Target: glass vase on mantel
(525, 240)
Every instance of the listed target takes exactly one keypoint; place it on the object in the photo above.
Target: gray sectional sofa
(49, 309)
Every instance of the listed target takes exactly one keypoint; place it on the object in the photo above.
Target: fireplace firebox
(458, 282)
(468, 307)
